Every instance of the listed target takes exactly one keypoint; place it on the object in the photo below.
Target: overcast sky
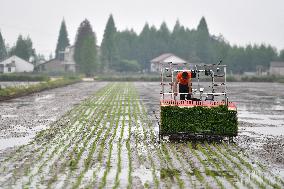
(239, 21)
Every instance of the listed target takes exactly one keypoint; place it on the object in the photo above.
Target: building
(15, 64)
(276, 68)
(165, 58)
(65, 62)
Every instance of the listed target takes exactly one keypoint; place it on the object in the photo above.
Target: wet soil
(260, 114)
(110, 140)
(23, 117)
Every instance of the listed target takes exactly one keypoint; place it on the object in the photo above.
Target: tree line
(122, 51)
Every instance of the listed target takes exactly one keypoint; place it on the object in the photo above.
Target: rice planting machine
(208, 113)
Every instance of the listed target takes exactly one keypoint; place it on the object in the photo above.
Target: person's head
(184, 75)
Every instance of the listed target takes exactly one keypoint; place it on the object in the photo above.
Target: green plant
(199, 120)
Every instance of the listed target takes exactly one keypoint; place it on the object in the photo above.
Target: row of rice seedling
(206, 167)
(247, 169)
(140, 126)
(68, 161)
(266, 176)
(27, 164)
(22, 149)
(219, 169)
(67, 132)
(97, 137)
(100, 173)
(83, 123)
(160, 159)
(71, 135)
(114, 144)
(104, 141)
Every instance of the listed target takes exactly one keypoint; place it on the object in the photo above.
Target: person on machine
(184, 81)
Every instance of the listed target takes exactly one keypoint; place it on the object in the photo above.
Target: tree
(126, 43)
(63, 40)
(85, 54)
(281, 55)
(203, 48)
(3, 51)
(109, 54)
(145, 45)
(24, 48)
(163, 37)
(128, 66)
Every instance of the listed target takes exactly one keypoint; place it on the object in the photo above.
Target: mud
(260, 115)
(110, 140)
(22, 118)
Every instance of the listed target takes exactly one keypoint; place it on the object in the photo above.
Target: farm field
(110, 140)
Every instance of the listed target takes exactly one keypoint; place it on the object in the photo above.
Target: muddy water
(22, 118)
(108, 141)
(260, 114)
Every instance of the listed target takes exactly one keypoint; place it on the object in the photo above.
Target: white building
(276, 68)
(15, 64)
(165, 58)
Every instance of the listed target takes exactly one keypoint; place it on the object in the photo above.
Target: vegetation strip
(14, 92)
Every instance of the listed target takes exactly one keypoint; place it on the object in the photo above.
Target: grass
(13, 92)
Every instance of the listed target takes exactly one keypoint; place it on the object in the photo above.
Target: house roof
(46, 62)
(161, 57)
(277, 64)
(167, 57)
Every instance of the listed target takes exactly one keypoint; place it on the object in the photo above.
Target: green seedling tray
(199, 120)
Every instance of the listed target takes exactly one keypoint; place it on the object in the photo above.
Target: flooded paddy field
(21, 118)
(260, 114)
(110, 140)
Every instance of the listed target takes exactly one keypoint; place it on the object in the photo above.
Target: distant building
(15, 64)
(276, 68)
(164, 58)
(65, 62)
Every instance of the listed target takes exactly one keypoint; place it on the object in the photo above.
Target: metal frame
(170, 68)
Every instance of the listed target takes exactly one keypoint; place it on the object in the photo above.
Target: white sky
(239, 21)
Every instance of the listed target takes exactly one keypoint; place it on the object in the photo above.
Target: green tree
(24, 48)
(128, 66)
(63, 40)
(145, 47)
(126, 42)
(203, 47)
(164, 38)
(109, 53)
(281, 55)
(3, 51)
(85, 54)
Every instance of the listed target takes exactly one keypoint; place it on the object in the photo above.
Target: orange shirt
(181, 80)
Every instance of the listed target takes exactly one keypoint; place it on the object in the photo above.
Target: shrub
(199, 120)
(12, 92)
(23, 77)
